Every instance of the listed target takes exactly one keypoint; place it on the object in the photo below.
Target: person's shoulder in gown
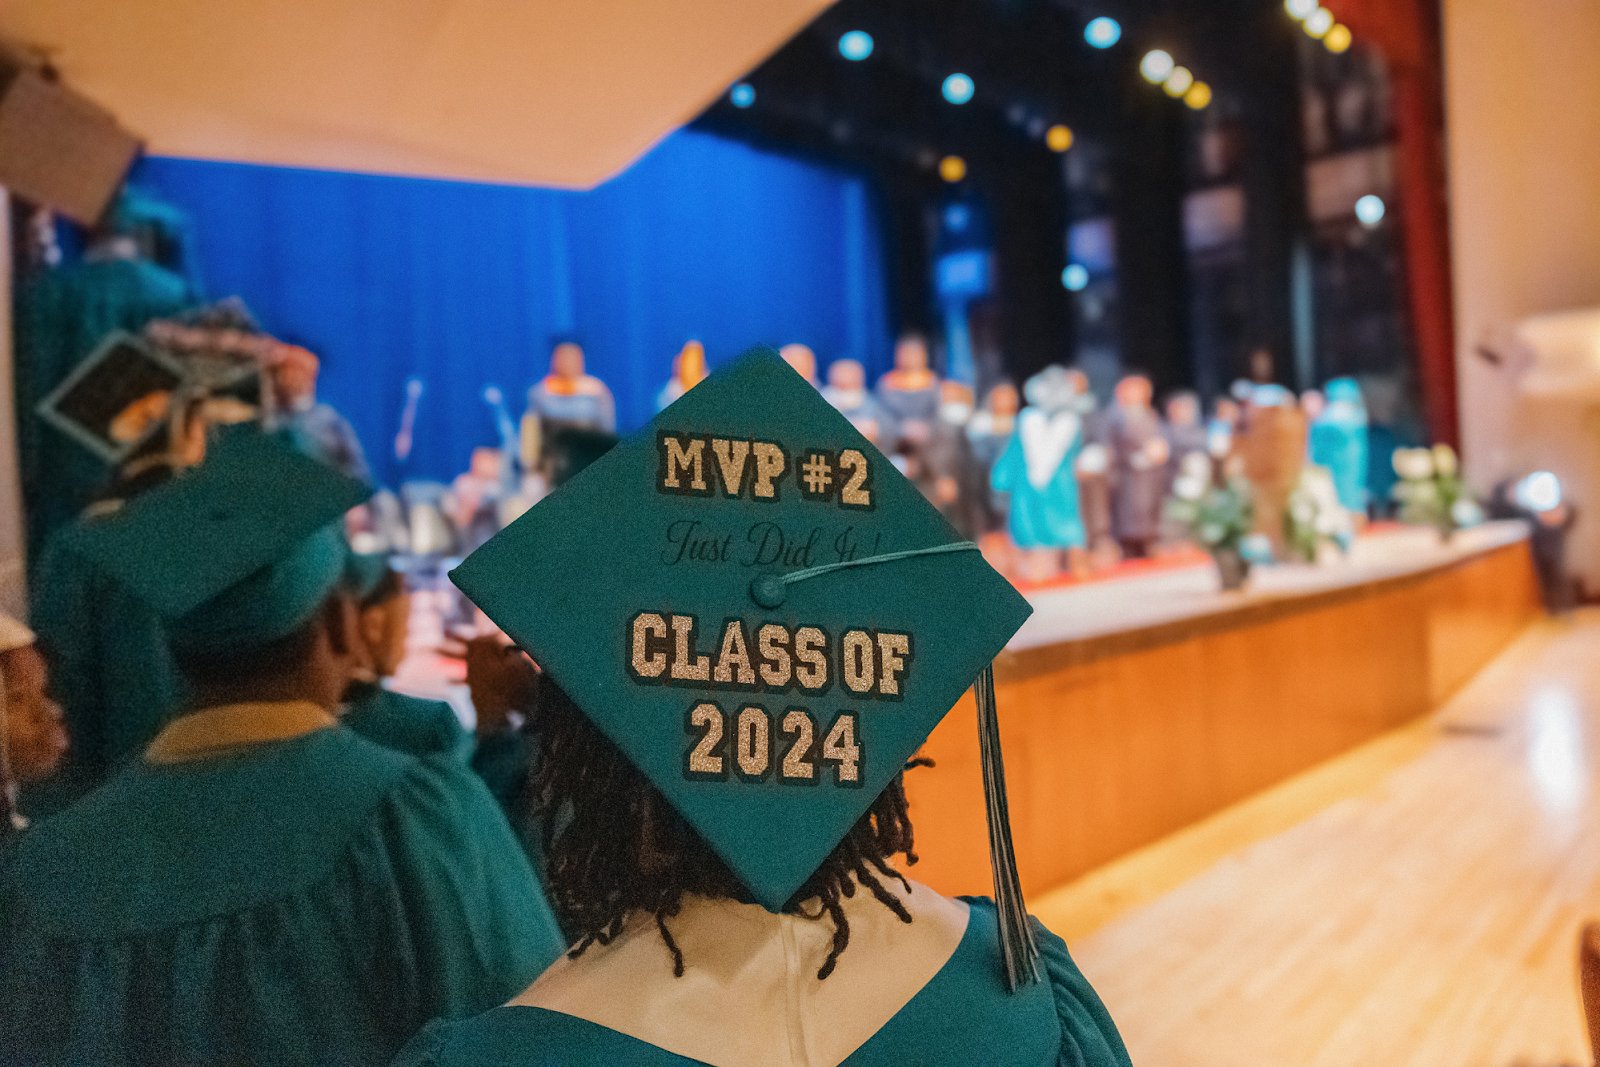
(945, 968)
(311, 900)
(406, 723)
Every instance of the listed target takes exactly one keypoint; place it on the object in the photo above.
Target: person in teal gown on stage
(1339, 442)
(1039, 466)
(726, 841)
(262, 885)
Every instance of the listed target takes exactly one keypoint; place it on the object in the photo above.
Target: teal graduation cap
(763, 614)
(237, 551)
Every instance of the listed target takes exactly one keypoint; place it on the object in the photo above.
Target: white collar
(749, 995)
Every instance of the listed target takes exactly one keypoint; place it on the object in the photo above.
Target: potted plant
(1214, 511)
(1430, 491)
(1315, 523)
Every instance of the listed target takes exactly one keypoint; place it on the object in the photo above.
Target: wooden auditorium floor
(1414, 902)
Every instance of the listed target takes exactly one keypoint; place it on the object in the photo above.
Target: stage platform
(1133, 707)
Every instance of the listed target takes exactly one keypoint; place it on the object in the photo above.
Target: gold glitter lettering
(686, 666)
(689, 459)
(810, 648)
(735, 653)
(892, 650)
(856, 661)
(770, 465)
(731, 456)
(771, 645)
(645, 663)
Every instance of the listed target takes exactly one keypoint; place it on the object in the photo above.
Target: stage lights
(856, 45)
(1318, 21)
(952, 168)
(1058, 138)
(1102, 32)
(1369, 209)
(1156, 66)
(958, 88)
(1075, 277)
(742, 95)
(1159, 68)
(1539, 491)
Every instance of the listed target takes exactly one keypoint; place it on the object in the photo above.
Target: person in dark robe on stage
(476, 496)
(569, 396)
(263, 885)
(950, 472)
(32, 737)
(847, 391)
(688, 371)
(728, 859)
(1093, 471)
(1185, 431)
(988, 433)
(316, 428)
(909, 394)
(1139, 467)
(404, 723)
(803, 360)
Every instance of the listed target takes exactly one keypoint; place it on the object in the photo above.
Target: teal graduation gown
(109, 667)
(407, 723)
(963, 1016)
(309, 901)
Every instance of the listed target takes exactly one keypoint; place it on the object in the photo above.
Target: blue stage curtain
(463, 285)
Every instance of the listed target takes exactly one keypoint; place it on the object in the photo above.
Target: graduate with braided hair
(736, 675)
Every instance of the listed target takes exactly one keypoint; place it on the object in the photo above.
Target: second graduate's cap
(240, 550)
(757, 608)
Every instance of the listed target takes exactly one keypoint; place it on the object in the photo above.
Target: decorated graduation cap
(236, 552)
(117, 398)
(765, 616)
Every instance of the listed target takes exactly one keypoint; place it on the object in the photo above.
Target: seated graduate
(263, 886)
(407, 723)
(725, 744)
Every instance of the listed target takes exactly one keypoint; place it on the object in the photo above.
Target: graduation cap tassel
(1017, 948)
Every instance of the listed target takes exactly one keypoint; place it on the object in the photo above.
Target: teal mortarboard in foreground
(771, 713)
(236, 551)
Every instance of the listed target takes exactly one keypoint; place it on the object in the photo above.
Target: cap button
(769, 590)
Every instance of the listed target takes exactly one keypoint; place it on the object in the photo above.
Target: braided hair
(614, 845)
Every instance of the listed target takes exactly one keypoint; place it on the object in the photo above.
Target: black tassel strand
(1017, 948)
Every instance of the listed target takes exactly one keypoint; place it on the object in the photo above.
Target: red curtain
(1407, 32)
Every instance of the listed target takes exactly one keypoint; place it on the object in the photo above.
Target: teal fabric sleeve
(460, 866)
(1088, 1036)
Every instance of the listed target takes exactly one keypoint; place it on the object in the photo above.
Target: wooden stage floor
(1413, 902)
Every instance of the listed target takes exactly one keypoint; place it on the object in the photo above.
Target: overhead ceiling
(543, 92)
